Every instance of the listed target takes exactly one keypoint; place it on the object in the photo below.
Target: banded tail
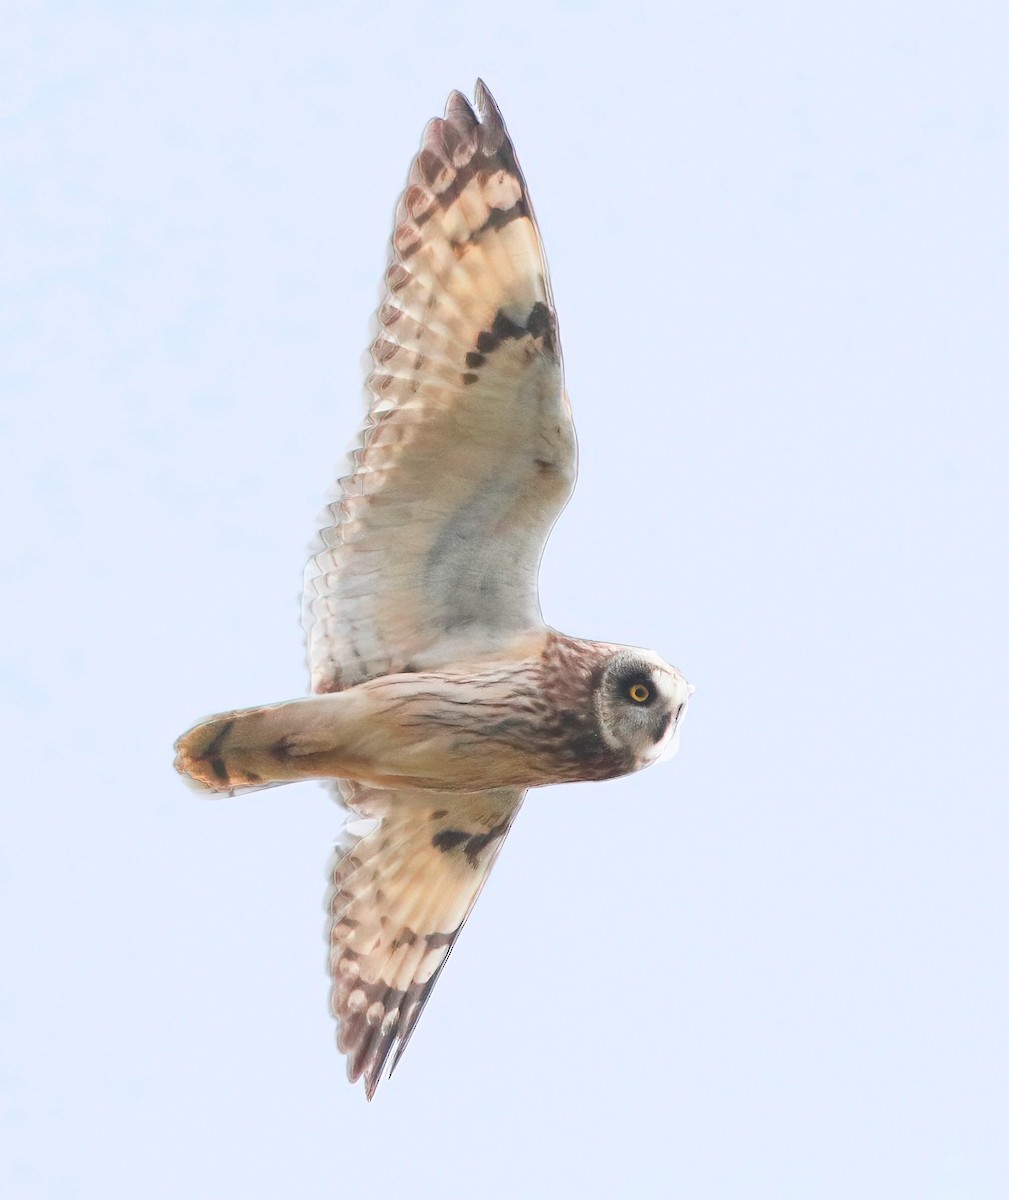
(256, 747)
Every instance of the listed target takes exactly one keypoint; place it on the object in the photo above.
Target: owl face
(639, 702)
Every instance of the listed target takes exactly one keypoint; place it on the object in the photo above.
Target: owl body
(566, 714)
(439, 696)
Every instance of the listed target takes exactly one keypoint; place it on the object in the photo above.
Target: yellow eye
(638, 693)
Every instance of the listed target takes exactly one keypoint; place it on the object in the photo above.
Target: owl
(439, 696)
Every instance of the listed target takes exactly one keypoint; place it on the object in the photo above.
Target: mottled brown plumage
(468, 455)
(439, 694)
(390, 938)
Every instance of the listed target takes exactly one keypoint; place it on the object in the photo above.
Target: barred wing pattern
(400, 896)
(468, 455)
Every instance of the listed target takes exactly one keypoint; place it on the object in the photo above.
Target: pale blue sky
(774, 968)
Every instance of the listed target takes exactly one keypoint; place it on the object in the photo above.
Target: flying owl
(439, 695)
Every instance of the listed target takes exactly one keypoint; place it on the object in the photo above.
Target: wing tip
(494, 134)
(364, 1064)
(484, 100)
(458, 108)
(482, 114)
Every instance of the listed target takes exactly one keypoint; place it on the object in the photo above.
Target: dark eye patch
(659, 723)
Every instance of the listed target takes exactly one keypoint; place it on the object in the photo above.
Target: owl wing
(468, 455)
(399, 897)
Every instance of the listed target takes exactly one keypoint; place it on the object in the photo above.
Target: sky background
(779, 239)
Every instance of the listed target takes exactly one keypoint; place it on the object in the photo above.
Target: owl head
(639, 701)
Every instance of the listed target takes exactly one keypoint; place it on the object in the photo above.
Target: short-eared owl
(439, 695)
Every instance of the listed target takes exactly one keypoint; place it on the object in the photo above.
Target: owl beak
(671, 747)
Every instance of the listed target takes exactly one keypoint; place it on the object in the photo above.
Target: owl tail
(259, 747)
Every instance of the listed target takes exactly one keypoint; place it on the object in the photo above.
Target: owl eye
(639, 693)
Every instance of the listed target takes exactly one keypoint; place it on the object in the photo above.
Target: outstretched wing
(400, 896)
(468, 455)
